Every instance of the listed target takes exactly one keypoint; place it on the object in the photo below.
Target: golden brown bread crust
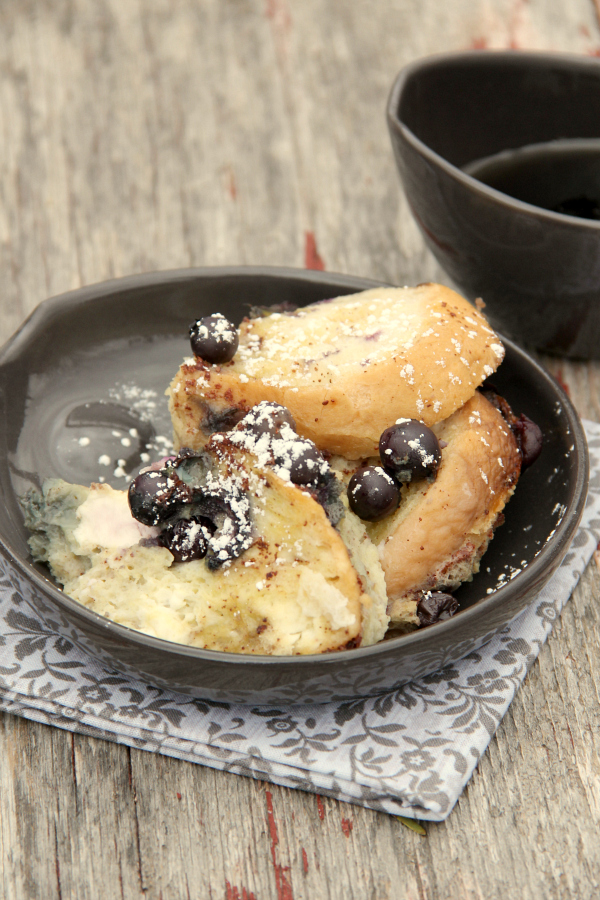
(346, 368)
(441, 530)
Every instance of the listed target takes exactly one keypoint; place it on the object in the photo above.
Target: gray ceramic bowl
(537, 270)
(95, 359)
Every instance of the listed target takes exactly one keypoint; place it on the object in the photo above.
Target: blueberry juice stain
(562, 176)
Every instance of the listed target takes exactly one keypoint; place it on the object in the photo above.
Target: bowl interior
(560, 176)
(472, 105)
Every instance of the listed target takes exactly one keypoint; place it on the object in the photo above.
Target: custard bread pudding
(339, 470)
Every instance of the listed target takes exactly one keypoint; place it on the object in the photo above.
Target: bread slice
(345, 368)
(441, 530)
(294, 590)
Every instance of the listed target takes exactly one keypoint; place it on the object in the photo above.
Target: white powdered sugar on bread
(345, 368)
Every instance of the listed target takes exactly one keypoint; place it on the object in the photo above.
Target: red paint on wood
(178, 795)
(562, 382)
(516, 21)
(320, 807)
(73, 764)
(347, 826)
(284, 888)
(232, 893)
(312, 260)
(304, 861)
(232, 185)
(278, 11)
(271, 820)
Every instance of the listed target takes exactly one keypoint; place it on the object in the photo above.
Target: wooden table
(138, 136)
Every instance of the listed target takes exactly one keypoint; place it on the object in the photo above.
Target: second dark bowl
(538, 271)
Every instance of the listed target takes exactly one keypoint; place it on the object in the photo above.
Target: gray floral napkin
(410, 752)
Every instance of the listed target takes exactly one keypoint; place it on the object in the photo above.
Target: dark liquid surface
(561, 176)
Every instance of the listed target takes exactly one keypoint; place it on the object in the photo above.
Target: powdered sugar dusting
(280, 450)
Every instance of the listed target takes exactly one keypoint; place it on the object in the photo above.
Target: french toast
(345, 368)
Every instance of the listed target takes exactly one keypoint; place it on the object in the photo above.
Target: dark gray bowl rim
(528, 577)
(485, 58)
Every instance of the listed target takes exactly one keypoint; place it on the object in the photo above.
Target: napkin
(410, 752)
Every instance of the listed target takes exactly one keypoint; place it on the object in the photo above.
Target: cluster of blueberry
(271, 428)
(269, 432)
(199, 515)
(409, 451)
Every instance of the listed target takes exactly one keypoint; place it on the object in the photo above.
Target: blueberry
(187, 539)
(435, 606)
(153, 497)
(268, 418)
(304, 461)
(299, 457)
(409, 450)
(227, 514)
(530, 439)
(372, 493)
(214, 339)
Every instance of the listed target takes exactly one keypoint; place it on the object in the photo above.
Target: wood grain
(137, 136)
